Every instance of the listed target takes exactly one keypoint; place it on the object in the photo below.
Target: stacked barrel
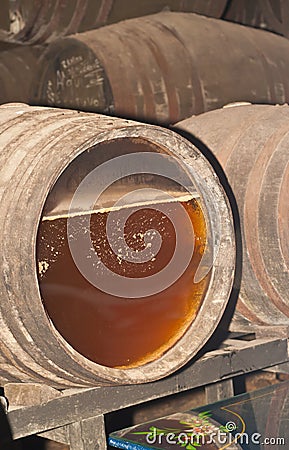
(39, 22)
(272, 15)
(172, 77)
(251, 144)
(124, 243)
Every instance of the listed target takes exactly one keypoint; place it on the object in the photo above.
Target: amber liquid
(115, 331)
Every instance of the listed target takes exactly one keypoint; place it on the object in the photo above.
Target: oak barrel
(163, 68)
(18, 65)
(272, 15)
(50, 303)
(251, 144)
(37, 21)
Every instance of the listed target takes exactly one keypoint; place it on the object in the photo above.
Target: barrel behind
(18, 65)
(272, 15)
(36, 21)
(38, 146)
(252, 145)
(163, 68)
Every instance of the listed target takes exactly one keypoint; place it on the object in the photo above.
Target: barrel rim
(218, 291)
(210, 307)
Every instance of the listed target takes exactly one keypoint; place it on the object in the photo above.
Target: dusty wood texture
(164, 406)
(275, 15)
(17, 70)
(174, 75)
(219, 391)
(60, 435)
(28, 394)
(251, 144)
(246, 12)
(88, 434)
(74, 406)
(260, 330)
(37, 144)
(279, 368)
(272, 15)
(4, 15)
(40, 21)
(260, 380)
(275, 331)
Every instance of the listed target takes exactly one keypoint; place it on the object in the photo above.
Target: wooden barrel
(276, 16)
(272, 15)
(188, 64)
(60, 324)
(18, 65)
(37, 21)
(245, 12)
(4, 16)
(251, 144)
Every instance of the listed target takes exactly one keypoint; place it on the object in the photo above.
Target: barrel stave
(189, 64)
(37, 145)
(35, 21)
(251, 144)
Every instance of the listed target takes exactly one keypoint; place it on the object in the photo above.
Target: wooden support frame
(76, 416)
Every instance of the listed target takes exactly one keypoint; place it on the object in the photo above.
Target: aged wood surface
(77, 405)
(60, 434)
(29, 394)
(88, 434)
(270, 15)
(219, 390)
(35, 21)
(250, 143)
(18, 65)
(173, 77)
(37, 144)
